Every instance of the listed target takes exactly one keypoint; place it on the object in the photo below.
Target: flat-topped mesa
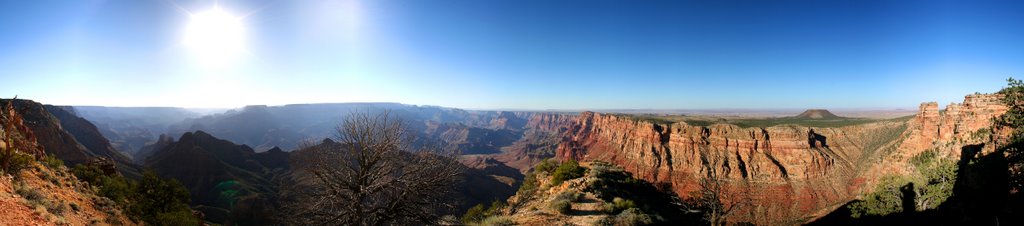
(817, 114)
(787, 172)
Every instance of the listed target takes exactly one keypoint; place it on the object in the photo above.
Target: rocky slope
(45, 196)
(87, 134)
(70, 138)
(598, 197)
(787, 173)
(32, 193)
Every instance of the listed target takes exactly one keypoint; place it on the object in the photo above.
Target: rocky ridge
(70, 138)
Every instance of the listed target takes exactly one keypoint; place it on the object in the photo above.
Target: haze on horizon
(509, 54)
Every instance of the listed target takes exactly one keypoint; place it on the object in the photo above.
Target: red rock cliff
(788, 172)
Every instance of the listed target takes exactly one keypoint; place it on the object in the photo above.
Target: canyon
(777, 174)
(783, 174)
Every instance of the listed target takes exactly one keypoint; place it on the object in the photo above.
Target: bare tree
(370, 176)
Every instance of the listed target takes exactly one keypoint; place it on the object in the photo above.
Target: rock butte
(789, 173)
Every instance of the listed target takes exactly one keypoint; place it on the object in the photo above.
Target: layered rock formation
(538, 138)
(778, 174)
(976, 112)
(70, 138)
(947, 132)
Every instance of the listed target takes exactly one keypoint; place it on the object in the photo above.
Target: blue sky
(517, 54)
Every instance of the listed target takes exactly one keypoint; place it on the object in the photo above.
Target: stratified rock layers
(774, 175)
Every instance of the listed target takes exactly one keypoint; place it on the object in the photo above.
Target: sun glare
(215, 36)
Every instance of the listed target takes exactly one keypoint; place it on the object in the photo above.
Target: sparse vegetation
(14, 161)
(618, 205)
(562, 203)
(749, 122)
(560, 206)
(480, 212)
(923, 191)
(29, 193)
(546, 165)
(495, 221)
(55, 207)
(568, 170)
(160, 202)
(152, 200)
(52, 162)
(1013, 119)
(633, 216)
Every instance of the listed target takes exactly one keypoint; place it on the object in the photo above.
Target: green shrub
(546, 165)
(1013, 119)
(528, 187)
(568, 170)
(29, 193)
(619, 204)
(605, 221)
(53, 179)
(561, 206)
(91, 174)
(55, 207)
(154, 198)
(52, 161)
(118, 189)
(938, 185)
(887, 199)
(633, 216)
(175, 218)
(929, 189)
(75, 207)
(924, 159)
(496, 221)
(569, 196)
(14, 161)
(562, 202)
(474, 214)
(599, 169)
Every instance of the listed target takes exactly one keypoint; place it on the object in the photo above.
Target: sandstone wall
(788, 172)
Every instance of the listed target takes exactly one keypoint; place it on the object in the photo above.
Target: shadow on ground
(981, 196)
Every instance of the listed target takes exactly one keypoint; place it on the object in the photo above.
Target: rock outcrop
(957, 120)
(946, 131)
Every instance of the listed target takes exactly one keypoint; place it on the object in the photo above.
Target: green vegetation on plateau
(756, 122)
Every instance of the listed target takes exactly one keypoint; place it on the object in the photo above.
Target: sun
(216, 36)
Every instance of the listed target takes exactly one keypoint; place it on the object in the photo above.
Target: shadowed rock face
(787, 172)
(69, 137)
(218, 173)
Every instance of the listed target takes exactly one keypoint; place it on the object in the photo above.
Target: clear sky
(545, 54)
